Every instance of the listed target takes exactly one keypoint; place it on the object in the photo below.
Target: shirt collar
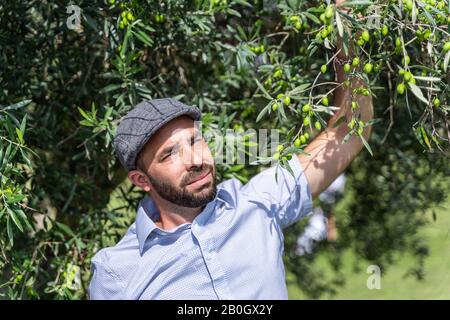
(148, 212)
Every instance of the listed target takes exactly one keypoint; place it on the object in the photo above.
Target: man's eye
(166, 155)
(195, 140)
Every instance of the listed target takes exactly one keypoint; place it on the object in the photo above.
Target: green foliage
(246, 65)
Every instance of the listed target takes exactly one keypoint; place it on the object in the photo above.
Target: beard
(179, 195)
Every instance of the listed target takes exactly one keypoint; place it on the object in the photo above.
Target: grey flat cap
(142, 122)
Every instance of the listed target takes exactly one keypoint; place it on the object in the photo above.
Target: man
(195, 240)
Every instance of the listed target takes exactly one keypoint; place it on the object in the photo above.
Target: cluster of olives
(408, 6)
(301, 140)
(126, 17)
(160, 17)
(308, 113)
(218, 3)
(258, 49)
(296, 22)
(278, 154)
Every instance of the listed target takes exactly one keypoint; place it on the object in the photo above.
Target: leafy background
(63, 92)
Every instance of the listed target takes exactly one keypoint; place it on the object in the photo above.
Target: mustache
(195, 173)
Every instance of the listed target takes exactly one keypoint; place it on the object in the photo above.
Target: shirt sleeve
(289, 196)
(105, 284)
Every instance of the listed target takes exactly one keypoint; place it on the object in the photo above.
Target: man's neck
(172, 215)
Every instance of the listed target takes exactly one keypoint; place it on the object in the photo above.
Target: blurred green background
(396, 282)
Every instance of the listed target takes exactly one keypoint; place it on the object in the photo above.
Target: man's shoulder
(112, 257)
(276, 184)
(261, 180)
(230, 185)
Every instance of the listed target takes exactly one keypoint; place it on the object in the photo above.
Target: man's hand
(329, 156)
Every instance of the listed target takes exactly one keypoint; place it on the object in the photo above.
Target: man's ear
(140, 180)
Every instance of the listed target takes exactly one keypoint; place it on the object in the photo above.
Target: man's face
(179, 164)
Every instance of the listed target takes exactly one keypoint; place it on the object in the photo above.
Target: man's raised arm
(328, 155)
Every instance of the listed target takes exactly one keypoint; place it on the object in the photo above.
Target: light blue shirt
(232, 250)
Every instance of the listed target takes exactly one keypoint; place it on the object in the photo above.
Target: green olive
(436, 102)
(409, 4)
(365, 36)
(329, 12)
(368, 67)
(268, 82)
(278, 74)
(318, 125)
(303, 138)
(407, 76)
(351, 124)
(406, 60)
(323, 18)
(287, 101)
(446, 47)
(306, 121)
(346, 67)
(360, 131)
(346, 83)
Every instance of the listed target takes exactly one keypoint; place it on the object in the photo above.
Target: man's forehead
(172, 132)
(176, 131)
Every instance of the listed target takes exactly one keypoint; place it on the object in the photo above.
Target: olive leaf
(417, 92)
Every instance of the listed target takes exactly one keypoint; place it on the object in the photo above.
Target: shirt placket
(215, 269)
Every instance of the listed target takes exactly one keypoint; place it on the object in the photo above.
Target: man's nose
(193, 156)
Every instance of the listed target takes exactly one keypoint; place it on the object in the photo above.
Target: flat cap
(142, 122)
